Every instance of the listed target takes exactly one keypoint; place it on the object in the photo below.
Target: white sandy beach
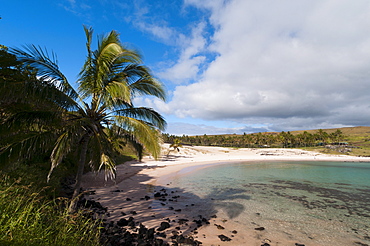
(135, 180)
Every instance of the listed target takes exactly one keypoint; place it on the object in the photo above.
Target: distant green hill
(358, 136)
(347, 140)
(348, 131)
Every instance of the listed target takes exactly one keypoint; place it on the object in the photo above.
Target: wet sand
(132, 194)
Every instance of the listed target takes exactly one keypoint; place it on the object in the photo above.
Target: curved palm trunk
(81, 165)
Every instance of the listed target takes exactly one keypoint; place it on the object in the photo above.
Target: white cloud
(146, 17)
(80, 8)
(189, 63)
(288, 63)
(187, 58)
(161, 32)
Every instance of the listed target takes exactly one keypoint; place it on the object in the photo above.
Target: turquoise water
(320, 202)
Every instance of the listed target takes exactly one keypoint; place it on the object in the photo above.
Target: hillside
(348, 131)
(358, 136)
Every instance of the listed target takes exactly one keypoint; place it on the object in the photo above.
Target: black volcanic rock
(164, 226)
(122, 222)
(220, 227)
(260, 228)
(224, 238)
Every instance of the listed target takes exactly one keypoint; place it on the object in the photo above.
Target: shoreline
(137, 180)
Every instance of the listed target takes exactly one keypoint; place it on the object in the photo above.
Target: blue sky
(229, 66)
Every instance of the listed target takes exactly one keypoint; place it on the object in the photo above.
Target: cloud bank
(286, 64)
(257, 65)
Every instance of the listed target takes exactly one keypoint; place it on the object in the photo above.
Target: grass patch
(28, 218)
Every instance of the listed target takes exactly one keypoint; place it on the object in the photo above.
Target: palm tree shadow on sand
(174, 157)
(152, 204)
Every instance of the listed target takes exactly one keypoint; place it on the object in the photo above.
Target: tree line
(258, 140)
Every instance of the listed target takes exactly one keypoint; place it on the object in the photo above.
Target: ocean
(318, 203)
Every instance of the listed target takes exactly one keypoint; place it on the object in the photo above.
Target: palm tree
(336, 136)
(99, 117)
(322, 136)
(176, 145)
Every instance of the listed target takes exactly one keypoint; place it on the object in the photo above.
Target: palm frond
(141, 81)
(63, 145)
(97, 145)
(46, 65)
(99, 154)
(108, 165)
(34, 92)
(145, 134)
(86, 74)
(97, 70)
(22, 146)
(116, 92)
(148, 86)
(139, 148)
(103, 63)
(88, 32)
(23, 117)
(119, 138)
(122, 53)
(148, 115)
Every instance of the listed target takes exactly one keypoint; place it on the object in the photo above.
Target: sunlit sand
(135, 180)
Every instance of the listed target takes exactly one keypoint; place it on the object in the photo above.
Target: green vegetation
(46, 122)
(45, 114)
(30, 218)
(46, 125)
(358, 138)
(350, 140)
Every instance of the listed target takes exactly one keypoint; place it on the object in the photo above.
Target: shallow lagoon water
(317, 203)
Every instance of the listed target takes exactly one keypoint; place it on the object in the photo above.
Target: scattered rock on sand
(164, 226)
(224, 238)
(220, 227)
(265, 244)
(161, 234)
(122, 222)
(361, 244)
(260, 228)
(182, 221)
